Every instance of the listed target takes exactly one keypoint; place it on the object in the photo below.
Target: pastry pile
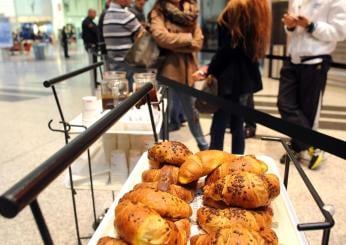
(236, 196)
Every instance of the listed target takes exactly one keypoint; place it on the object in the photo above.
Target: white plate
(284, 220)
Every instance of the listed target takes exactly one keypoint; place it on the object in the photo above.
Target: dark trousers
(176, 112)
(65, 47)
(300, 90)
(251, 104)
(219, 124)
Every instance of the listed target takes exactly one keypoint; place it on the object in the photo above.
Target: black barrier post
(152, 118)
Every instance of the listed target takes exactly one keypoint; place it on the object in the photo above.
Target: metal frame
(66, 129)
(26, 191)
(327, 211)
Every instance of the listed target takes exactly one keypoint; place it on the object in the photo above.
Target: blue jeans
(219, 124)
(192, 117)
(176, 113)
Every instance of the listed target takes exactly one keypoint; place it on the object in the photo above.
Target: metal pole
(41, 223)
(167, 115)
(152, 118)
(325, 237)
(73, 191)
(91, 185)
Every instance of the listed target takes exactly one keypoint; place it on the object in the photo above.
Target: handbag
(210, 86)
(144, 52)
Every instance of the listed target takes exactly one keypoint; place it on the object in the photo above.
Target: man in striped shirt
(120, 27)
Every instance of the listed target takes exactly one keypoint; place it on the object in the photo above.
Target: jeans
(192, 117)
(176, 114)
(219, 124)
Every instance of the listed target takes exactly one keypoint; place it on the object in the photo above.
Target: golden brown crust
(111, 241)
(211, 219)
(138, 224)
(201, 164)
(165, 204)
(236, 235)
(176, 190)
(168, 152)
(167, 174)
(243, 189)
(247, 163)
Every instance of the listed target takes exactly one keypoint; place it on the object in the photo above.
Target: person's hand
(303, 21)
(290, 21)
(199, 75)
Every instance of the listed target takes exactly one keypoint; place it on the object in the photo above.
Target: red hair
(249, 23)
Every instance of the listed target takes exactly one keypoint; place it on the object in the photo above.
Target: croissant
(176, 190)
(138, 224)
(236, 235)
(168, 152)
(211, 219)
(111, 241)
(242, 189)
(244, 163)
(201, 164)
(165, 204)
(167, 174)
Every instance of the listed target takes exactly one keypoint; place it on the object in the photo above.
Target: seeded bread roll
(111, 241)
(247, 163)
(242, 189)
(212, 219)
(168, 152)
(236, 235)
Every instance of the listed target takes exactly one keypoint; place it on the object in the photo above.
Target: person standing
(313, 29)
(64, 42)
(90, 38)
(175, 28)
(120, 28)
(243, 33)
(101, 39)
(138, 10)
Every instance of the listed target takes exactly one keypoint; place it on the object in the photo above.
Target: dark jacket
(89, 33)
(235, 71)
(101, 39)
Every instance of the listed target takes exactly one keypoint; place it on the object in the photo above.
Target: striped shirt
(119, 26)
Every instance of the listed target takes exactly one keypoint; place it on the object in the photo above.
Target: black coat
(236, 72)
(89, 32)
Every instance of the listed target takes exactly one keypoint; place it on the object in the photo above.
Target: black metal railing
(26, 191)
(328, 222)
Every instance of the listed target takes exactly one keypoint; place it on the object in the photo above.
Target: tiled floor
(26, 107)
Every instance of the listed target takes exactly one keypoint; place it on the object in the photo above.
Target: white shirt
(329, 17)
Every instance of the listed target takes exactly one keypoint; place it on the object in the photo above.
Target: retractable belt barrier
(282, 57)
(322, 141)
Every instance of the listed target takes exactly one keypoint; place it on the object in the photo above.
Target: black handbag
(210, 86)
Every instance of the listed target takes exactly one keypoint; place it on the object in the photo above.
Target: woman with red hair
(244, 31)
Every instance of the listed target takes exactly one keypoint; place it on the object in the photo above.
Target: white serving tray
(284, 220)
